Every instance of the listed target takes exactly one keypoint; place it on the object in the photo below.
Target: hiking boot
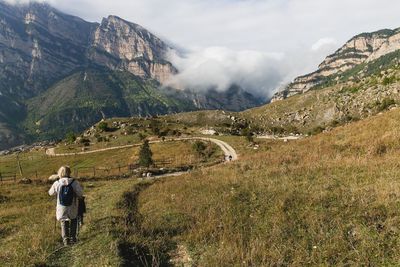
(73, 240)
(65, 241)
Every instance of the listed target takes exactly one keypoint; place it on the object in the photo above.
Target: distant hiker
(68, 192)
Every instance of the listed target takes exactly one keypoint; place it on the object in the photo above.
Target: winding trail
(229, 151)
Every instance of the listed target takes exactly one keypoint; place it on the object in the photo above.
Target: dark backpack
(66, 195)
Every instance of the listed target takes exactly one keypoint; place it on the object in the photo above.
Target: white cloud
(220, 67)
(323, 43)
(287, 27)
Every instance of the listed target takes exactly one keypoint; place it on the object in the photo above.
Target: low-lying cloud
(230, 41)
(259, 73)
(220, 67)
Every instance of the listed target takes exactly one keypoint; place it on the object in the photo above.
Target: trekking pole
(55, 220)
(55, 225)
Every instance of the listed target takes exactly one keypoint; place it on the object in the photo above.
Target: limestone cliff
(121, 45)
(360, 49)
(60, 73)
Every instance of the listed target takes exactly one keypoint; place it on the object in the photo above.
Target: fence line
(91, 171)
(8, 176)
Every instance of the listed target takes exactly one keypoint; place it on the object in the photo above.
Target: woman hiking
(68, 192)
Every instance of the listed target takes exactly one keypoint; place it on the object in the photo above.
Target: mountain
(60, 73)
(360, 80)
(361, 49)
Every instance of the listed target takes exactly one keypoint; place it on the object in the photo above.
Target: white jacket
(71, 212)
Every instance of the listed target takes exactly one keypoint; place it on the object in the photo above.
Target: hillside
(43, 52)
(329, 199)
(363, 91)
(360, 50)
(324, 200)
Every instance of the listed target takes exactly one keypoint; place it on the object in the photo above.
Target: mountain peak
(362, 48)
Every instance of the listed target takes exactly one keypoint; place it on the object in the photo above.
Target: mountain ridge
(41, 47)
(362, 48)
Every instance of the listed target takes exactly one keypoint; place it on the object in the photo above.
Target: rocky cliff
(361, 49)
(121, 45)
(57, 70)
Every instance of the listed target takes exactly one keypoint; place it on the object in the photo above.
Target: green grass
(331, 199)
(27, 226)
(166, 155)
(27, 215)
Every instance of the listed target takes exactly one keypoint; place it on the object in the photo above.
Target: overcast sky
(281, 38)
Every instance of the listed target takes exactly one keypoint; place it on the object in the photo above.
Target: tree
(203, 150)
(154, 125)
(248, 134)
(145, 155)
(199, 147)
(103, 126)
(70, 137)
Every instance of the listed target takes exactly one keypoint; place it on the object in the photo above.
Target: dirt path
(228, 150)
(275, 137)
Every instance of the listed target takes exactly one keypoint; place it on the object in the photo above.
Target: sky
(259, 44)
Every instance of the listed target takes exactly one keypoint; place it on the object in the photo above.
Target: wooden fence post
(36, 175)
(119, 169)
(94, 172)
(1, 177)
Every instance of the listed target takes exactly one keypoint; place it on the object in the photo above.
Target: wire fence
(8, 176)
(94, 171)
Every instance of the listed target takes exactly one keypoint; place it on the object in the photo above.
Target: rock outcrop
(60, 73)
(360, 49)
(122, 45)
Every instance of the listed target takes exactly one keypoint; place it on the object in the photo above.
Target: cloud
(323, 43)
(221, 67)
(263, 27)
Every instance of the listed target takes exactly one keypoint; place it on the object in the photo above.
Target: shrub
(316, 130)
(141, 136)
(277, 130)
(378, 149)
(154, 126)
(388, 80)
(103, 126)
(70, 137)
(130, 130)
(351, 90)
(203, 150)
(385, 104)
(84, 141)
(199, 147)
(248, 134)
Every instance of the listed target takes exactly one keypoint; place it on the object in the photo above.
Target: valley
(191, 173)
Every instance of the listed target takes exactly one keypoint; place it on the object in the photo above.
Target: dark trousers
(68, 230)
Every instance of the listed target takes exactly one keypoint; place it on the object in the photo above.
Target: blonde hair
(64, 171)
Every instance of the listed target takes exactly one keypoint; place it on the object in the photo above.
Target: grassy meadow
(331, 199)
(167, 154)
(27, 226)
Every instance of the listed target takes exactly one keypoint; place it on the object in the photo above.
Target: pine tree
(145, 155)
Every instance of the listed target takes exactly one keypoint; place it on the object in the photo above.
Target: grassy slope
(177, 154)
(355, 94)
(331, 199)
(27, 234)
(27, 226)
(81, 99)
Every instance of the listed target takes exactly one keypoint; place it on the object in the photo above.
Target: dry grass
(332, 199)
(168, 154)
(27, 235)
